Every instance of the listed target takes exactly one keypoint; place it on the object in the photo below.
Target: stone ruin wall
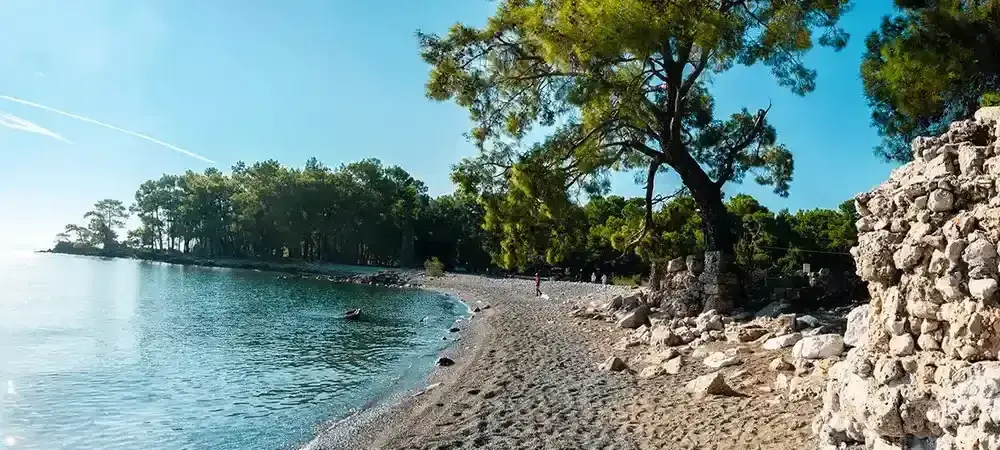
(689, 286)
(926, 375)
(685, 287)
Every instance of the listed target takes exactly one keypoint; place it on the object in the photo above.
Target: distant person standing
(538, 284)
(604, 278)
(593, 277)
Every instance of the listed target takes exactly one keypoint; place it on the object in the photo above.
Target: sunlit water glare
(116, 354)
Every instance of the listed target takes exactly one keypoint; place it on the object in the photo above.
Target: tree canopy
(620, 85)
(103, 225)
(359, 213)
(930, 64)
(366, 213)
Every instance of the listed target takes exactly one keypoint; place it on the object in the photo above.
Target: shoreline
(337, 432)
(290, 267)
(528, 374)
(372, 425)
(504, 370)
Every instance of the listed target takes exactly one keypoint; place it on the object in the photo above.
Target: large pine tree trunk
(708, 196)
(407, 253)
(715, 223)
(720, 279)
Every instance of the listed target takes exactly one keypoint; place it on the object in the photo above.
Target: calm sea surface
(115, 354)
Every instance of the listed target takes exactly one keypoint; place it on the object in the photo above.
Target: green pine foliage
(931, 63)
(366, 213)
(103, 223)
(619, 86)
(359, 213)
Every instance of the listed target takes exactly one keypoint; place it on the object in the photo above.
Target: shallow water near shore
(112, 353)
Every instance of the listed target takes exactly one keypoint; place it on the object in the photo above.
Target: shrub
(627, 280)
(990, 99)
(434, 267)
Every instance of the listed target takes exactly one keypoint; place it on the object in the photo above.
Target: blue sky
(341, 80)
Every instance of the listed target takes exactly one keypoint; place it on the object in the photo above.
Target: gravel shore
(520, 380)
(526, 377)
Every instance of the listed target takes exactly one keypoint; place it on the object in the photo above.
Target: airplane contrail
(108, 126)
(16, 123)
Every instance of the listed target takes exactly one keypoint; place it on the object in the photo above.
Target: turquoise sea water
(115, 354)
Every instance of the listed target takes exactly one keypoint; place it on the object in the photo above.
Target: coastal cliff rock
(924, 372)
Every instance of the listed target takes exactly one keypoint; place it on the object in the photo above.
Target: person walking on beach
(604, 278)
(593, 277)
(538, 284)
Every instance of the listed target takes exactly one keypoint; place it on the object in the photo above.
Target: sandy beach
(527, 377)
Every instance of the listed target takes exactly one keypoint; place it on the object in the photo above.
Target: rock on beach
(819, 347)
(710, 384)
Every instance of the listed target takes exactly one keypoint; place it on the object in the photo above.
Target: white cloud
(105, 125)
(16, 123)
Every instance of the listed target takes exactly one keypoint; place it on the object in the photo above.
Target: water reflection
(126, 354)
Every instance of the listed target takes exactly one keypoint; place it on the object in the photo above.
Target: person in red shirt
(538, 284)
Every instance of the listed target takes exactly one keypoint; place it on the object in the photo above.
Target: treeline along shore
(330, 272)
(358, 214)
(271, 217)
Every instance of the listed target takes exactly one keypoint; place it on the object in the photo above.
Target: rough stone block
(925, 374)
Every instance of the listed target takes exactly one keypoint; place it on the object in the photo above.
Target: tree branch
(662, 198)
(751, 13)
(499, 112)
(647, 222)
(581, 174)
(647, 131)
(657, 110)
(659, 73)
(751, 135)
(699, 67)
(640, 147)
(675, 101)
(726, 5)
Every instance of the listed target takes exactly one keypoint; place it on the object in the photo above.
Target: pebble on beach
(445, 361)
